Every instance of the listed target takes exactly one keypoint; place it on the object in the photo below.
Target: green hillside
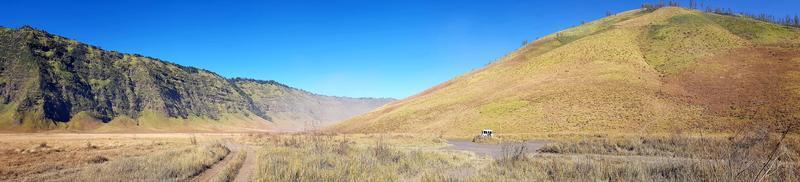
(639, 71)
(51, 82)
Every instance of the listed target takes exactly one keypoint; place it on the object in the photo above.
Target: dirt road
(245, 171)
(493, 150)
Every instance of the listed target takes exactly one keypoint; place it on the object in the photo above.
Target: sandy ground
(493, 150)
(246, 172)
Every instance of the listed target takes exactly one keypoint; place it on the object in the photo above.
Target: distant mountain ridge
(299, 109)
(51, 82)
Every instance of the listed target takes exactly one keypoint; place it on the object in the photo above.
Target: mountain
(646, 70)
(298, 109)
(51, 82)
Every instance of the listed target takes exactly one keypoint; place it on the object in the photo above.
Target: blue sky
(343, 48)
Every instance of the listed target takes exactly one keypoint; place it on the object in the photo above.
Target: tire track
(246, 171)
(215, 169)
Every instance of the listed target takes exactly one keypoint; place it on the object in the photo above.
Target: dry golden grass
(105, 157)
(353, 158)
(664, 158)
(597, 158)
(710, 147)
(400, 157)
(173, 165)
(609, 168)
(231, 169)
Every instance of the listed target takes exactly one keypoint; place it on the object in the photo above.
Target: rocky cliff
(48, 81)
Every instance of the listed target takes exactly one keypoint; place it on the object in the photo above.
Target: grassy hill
(640, 71)
(50, 82)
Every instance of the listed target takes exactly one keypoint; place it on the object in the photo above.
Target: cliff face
(47, 80)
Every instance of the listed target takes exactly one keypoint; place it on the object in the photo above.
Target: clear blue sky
(343, 48)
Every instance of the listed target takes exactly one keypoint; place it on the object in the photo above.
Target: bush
(513, 152)
(97, 159)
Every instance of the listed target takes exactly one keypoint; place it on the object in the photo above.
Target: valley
(659, 93)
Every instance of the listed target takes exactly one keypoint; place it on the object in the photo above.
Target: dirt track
(493, 150)
(245, 172)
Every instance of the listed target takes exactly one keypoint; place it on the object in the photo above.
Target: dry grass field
(395, 157)
(406, 157)
(106, 157)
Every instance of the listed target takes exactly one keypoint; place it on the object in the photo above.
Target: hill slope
(638, 71)
(50, 82)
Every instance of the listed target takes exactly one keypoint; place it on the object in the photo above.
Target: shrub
(97, 159)
(513, 152)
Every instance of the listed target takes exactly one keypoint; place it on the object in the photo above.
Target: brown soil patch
(743, 79)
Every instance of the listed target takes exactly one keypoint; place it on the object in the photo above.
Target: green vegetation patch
(7, 112)
(496, 109)
(573, 34)
(565, 39)
(688, 19)
(676, 44)
(99, 83)
(754, 30)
